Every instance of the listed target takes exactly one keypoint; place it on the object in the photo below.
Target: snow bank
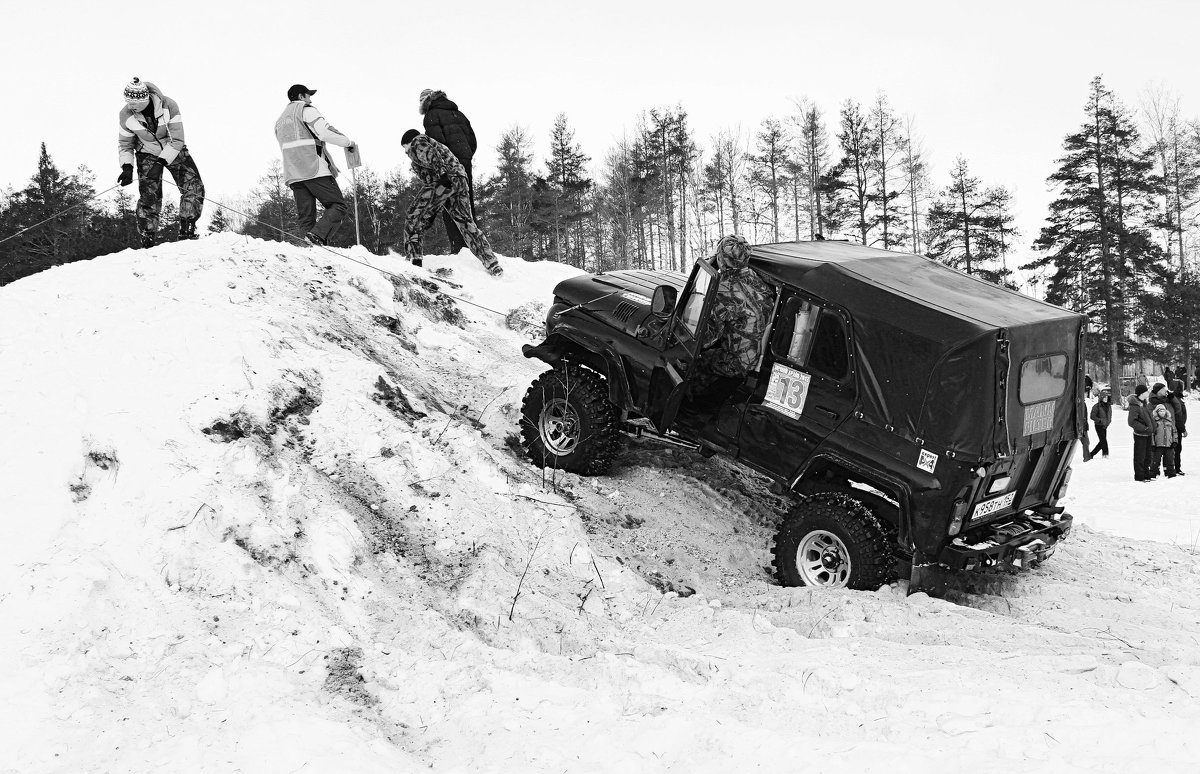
(261, 509)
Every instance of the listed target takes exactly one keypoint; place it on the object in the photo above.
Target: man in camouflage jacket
(444, 187)
(733, 340)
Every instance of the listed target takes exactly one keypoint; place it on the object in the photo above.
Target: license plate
(988, 507)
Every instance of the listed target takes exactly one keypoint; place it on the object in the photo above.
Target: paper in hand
(353, 159)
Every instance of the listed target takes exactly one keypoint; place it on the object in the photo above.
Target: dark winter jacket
(1102, 413)
(1180, 406)
(446, 124)
(1139, 417)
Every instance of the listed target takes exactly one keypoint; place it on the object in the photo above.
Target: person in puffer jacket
(444, 187)
(445, 123)
(1140, 421)
(151, 136)
(1162, 449)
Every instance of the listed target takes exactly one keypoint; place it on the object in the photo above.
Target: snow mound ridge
(264, 508)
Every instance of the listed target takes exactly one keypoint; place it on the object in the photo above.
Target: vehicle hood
(618, 298)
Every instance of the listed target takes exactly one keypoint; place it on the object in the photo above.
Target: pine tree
(219, 222)
(508, 195)
(68, 237)
(813, 158)
(887, 143)
(971, 228)
(768, 166)
(916, 175)
(567, 183)
(850, 179)
(1097, 242)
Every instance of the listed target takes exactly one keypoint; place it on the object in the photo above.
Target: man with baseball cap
(308, 169)
(151, 135)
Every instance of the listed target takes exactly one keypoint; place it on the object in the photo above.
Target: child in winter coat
(1163, 441)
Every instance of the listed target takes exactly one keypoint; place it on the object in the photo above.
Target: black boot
(149, 239)
(187, 228)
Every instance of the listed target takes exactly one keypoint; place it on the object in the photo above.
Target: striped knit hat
(135, 89)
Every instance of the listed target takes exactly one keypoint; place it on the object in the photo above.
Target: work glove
(126, 175)
(160, 161)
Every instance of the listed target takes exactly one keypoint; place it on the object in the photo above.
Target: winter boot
(149, 239)
(314, 240)
(400, 254)
(495, 270)
(187, 228)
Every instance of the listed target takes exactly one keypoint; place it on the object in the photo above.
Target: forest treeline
(1119, 243)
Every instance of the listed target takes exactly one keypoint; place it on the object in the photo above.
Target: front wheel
(833, 541)
(568, 423)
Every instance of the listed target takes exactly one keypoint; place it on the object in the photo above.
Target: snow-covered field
(261, 511)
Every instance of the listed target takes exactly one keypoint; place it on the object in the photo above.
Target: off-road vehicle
(925, 419)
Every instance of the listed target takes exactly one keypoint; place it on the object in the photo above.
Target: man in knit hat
(151, 136)
(1139, 419)
(303, 134)
(445, 123)
(444, 188)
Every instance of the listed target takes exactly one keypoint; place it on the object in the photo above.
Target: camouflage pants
(187, 178)
(455, 202)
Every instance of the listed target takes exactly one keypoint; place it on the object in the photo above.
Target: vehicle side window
(811, 337)
(694, 303)
(794, 329)
(829, 347)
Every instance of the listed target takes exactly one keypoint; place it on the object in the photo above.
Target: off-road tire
(844, 524)
(567, 422)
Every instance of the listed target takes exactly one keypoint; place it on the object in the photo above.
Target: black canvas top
(918, 287)
(937, 352)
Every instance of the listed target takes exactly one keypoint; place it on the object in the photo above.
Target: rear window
(1043, 378)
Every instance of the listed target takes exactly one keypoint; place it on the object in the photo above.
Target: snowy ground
(260, 510)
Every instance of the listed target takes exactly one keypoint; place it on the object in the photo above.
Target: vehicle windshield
(694, 303)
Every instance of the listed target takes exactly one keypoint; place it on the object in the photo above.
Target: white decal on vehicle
(787, 390)
(927, 461)
(988, 507)
(635, 298)
(1039, 418)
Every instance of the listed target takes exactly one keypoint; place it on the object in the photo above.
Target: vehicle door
(669, 381)
(807, 385)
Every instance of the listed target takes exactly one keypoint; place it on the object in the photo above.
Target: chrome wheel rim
(823, 560)
(559, 427)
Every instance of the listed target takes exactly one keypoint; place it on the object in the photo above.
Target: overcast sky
(999, 83)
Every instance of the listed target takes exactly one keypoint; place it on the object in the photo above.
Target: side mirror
(663, 302)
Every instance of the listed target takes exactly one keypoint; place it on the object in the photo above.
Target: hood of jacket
(432, 99)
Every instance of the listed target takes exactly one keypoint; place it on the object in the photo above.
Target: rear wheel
(833, 541)
(567, 421)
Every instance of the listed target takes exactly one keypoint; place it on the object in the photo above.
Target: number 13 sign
(787, 390)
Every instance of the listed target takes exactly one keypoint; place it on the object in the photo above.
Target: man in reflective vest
(308, 169)
(151, 135)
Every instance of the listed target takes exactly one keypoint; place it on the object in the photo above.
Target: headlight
(999, 484)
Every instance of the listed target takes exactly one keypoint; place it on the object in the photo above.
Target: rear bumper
(1012, 543)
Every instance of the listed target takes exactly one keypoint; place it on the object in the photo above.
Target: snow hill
(262, 509)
